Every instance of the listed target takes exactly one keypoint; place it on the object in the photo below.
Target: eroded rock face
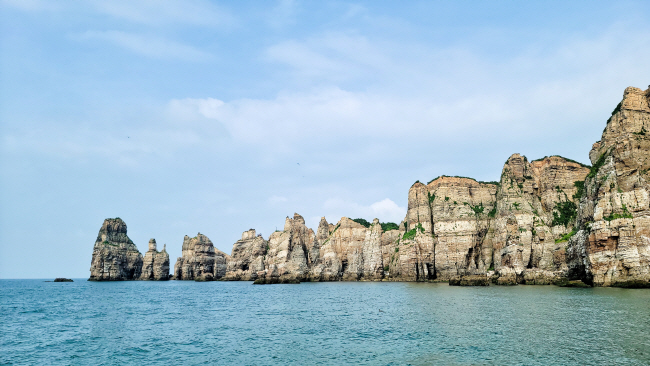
(350, 252)
(515, 231)
(346, 251)
(115, 256)
(613, 246)
(287, 256)
(200, 260)
(460, 212)
(155, 264)
(247, 257)
(527, 225)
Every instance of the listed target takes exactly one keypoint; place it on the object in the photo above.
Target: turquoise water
(142, 323)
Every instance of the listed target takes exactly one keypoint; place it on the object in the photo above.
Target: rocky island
(546, 221)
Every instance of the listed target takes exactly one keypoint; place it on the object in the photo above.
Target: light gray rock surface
(115, 256)
(200, 260)
(155, 265)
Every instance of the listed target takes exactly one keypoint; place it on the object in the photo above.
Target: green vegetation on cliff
(625, 215)
(388, 226)
(385, 226)
(363, 222)
(597, 165)
(564, 213)
(580, 189)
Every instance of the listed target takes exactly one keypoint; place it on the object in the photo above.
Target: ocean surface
(360, 323)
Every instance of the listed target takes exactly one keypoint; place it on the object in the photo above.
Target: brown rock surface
(523, 234)
(115, 256)
(546, 221)
(155, 265)
(200, 260)
(613, 246)
(287, 255)
(247, 257)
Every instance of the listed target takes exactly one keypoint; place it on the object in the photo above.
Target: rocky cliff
(612, 246)
(200, 260)
(512, 231)
(115, 257)
(545, 221)
(155, 265)
(247, 259)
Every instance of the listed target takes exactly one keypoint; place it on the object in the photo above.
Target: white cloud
(146, 45)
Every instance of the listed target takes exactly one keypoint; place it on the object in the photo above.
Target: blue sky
(188, 116)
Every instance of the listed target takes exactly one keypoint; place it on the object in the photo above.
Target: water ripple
(147, 323)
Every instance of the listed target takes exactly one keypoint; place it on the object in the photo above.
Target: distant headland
(547, 221)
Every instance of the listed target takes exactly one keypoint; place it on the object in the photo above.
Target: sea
(331, 323)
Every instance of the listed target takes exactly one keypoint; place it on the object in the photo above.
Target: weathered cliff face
(448, 222)
(346, 251)
(349, 252)
(544, 221)
(155, 265)
(200, 260)
(287, 256)
(115, 256)
(460, 212)
(613, 246)
(535, 208)
(456, 227)
(247, 257)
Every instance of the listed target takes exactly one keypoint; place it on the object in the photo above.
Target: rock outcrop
(551, 220)
(349, 252)
(155, 265)
(115, 256)
(200, 260)
(287, 254)
(535, 210)
(612, 247)
(247, 258)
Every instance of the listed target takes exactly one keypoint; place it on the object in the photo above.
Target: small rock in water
(61, 279)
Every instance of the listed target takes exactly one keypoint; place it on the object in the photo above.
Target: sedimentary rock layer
(513, 231)
(115, 257)
(551, 220)
(612, 247)
(200, 260)
(155, 265)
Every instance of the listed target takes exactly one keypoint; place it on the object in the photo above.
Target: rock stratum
(547, 221)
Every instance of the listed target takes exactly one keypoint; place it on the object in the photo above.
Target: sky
(220, 116)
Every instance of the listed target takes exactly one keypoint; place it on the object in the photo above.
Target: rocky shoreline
(548, 221)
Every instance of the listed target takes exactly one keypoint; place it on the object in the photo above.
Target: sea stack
(115, 256)
(247, 258)
(155, 264)
(200, 260)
